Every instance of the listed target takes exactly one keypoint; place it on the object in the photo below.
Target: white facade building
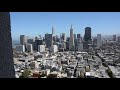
(41, 48)
(20, 48)
(54, 49)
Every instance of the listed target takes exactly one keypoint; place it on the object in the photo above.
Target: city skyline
(67, 54)
(40, 23)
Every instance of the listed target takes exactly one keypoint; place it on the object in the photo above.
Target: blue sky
(39, 23)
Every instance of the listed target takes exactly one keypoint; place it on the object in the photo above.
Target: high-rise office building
(23, 39)
(30, 48)
(38, 42)
(48, 40)
(114, 37)
(6, 52)
(99, 41)
(31, 41)
(87, 36)
(71, 44)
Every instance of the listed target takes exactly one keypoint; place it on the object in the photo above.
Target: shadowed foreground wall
(6, 53)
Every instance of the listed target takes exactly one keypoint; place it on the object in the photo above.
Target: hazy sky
(39, 23)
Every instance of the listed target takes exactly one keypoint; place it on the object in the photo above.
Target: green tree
(25, 74)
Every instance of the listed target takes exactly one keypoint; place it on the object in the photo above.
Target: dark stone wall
(6, 52)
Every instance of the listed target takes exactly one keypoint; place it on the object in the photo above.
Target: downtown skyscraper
(87, 36)
(48, 40)
(23, 39)
(71, 42)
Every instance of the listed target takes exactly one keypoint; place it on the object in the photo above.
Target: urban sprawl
(54, 56)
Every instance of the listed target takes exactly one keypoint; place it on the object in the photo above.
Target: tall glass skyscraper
(48, 40)
(87, 36)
